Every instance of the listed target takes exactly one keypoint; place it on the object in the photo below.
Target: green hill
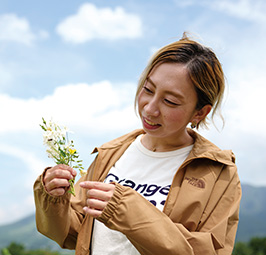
(25, 232)
(252, 223)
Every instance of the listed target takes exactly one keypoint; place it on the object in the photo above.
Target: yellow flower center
(72, 151)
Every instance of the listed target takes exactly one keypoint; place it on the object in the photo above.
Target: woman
(163, 189)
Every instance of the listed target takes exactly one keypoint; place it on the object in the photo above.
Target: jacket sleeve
(153, 233)
(58, 218)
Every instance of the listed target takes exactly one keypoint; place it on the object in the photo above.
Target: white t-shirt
(149, 173)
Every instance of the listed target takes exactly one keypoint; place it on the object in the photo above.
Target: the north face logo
(196, 182)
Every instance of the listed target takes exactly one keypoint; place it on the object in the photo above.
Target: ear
(201, 114)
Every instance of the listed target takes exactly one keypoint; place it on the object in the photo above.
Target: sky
(78, 63)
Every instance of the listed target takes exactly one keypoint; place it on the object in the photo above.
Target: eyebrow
(180, 96)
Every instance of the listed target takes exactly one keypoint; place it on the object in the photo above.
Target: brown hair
(204, 70)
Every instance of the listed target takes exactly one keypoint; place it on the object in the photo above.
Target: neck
(162, 145)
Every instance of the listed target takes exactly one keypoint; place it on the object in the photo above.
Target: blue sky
(79, 62)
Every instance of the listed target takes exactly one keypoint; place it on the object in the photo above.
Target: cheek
(174, 117)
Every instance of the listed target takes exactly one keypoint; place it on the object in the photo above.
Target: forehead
(171, 70)
(172, 75)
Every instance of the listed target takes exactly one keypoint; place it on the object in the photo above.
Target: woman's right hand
(56, 179)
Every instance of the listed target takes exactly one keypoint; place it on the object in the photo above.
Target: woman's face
(167, 102)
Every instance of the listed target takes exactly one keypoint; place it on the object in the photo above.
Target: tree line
(19, 249)
(256, 246)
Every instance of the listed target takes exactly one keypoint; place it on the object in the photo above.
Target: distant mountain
(25, 232)
(252, 223)
(252, 213)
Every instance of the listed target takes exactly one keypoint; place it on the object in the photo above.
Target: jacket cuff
(112, 205)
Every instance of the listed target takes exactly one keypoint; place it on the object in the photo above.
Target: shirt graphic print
(149, 173)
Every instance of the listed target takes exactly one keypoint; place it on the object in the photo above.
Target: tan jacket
(200, 215)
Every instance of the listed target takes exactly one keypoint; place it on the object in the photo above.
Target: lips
(149, 124)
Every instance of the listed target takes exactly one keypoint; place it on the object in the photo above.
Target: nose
(151, 108)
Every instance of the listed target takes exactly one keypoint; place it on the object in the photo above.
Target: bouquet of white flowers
(60, 148)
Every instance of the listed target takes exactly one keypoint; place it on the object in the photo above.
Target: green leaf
(71, 188)
(43, 120)
(43, 127)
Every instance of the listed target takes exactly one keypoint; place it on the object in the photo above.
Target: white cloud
(252, 10)
(244, 9)
(23, 207)
(29, 167)
(97, 107)
(247, 105)
(16, 29)
(99, 23)
(28, 158)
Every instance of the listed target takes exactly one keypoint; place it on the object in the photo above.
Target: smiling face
(167, 103)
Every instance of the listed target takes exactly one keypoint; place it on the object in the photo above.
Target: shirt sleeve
(153, 233)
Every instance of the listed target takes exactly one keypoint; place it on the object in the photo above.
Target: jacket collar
(202, 148)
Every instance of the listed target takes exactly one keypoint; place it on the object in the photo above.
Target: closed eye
(170, 102)
(147, 89)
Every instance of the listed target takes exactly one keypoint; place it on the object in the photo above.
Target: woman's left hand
(99, 194)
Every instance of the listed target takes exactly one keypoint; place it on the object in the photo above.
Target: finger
(92, 212)
(63, 168)
(57, 192)
(100, 194)
(96, 204)
(56, 183)
(97, 185)
(59, 171)
(67, 168)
